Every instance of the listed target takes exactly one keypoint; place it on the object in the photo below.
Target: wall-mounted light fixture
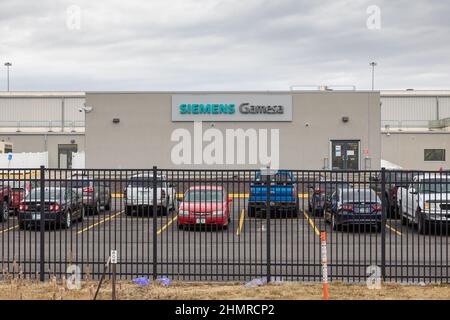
(345, 119)
(116, 120)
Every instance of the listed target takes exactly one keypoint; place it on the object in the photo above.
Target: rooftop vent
(439, 124)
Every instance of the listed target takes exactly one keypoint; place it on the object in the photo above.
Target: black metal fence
(223, 225)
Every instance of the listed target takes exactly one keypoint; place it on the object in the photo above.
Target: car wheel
(82, 215)
(333, 222)
(97, 208)
(67, 220)
(5, 211)
(108, 205)
(164, 210)
(294, 213)
(422, 226)
(251, 212)
(128, 210)
(225, 227)
(180, 227)
(378, 227)
(22, 225)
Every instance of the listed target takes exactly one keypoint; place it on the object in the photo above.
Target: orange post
(323, 244)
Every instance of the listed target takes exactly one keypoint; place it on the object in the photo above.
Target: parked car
(95, 194)
(18, 190)
(283, 195)
(4, 201)
(425, 201)
(205, 205)
(319, 195)
(395, 179)
(62, 206)
(351, 206)
(139, 194)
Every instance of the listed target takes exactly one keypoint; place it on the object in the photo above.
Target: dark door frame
(345, 142)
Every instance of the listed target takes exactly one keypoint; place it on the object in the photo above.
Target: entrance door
(65, 152)
(345, 154)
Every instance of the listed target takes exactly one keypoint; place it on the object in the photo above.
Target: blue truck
(283, 198)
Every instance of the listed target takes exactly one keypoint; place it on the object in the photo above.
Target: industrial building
(321, 129)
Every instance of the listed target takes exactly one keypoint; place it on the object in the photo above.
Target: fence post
(268, 253)
(155, 222)
(383, 223)
(42, 225)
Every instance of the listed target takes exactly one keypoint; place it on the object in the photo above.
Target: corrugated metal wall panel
(39, 111)
(444, 107)
(30, 109)
(408, 108)
(71, 106)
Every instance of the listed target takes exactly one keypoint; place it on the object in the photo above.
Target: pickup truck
(139, 194)
(283, 197)
(426, 201)
(5, 191)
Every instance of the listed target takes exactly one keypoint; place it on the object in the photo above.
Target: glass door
(345, 154)
(65, 152)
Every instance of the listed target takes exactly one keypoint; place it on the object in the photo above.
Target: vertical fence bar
(268, 213)
(42, 225)
(383, 223)
(155, 225)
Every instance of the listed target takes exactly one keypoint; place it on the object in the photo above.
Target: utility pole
(373, 64)
(7, 65)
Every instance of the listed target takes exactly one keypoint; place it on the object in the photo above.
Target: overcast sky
(223, 44)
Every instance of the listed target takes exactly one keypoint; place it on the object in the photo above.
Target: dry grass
(20, 288)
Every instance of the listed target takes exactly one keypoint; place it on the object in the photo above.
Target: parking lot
(239, 252)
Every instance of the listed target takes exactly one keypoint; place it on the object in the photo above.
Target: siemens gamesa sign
(228, 107)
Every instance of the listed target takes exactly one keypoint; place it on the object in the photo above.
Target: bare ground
(55, 290)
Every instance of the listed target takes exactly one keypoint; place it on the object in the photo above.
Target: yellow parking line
(165, 226)
(117, 195)
(100, 222)
(241, 222)
(311, 223)
(393, 230)
(303, 195)
(6, 230)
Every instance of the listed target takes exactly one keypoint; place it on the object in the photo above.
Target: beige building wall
(143, 136)
(407, 149)
(38, 142)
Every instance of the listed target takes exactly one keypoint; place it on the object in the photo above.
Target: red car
(18, 190)
(205, 205)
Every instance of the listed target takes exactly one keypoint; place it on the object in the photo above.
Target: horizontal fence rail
(226, 225)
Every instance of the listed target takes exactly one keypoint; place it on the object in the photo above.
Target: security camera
(85, 109)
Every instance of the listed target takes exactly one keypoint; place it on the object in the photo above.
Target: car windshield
(360, 196)
(204, 196)
(143, 182)
(278, 178)
(79, 183)
(434, 186)
(52, 194)
(15, 185)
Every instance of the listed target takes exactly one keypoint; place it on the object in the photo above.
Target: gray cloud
(224, 45)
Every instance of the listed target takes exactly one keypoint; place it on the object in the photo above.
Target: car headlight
(183, 213)
(217, 213)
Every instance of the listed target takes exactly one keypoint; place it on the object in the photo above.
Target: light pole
(373, 64)
(7, 64)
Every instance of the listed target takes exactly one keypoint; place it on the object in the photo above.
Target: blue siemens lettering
(201, 108)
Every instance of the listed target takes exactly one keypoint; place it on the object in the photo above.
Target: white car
(426, 201)
(139, 194)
